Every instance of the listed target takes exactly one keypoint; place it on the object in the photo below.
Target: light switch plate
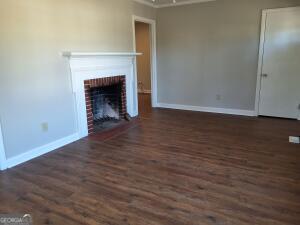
(295, 140)
(45, 127)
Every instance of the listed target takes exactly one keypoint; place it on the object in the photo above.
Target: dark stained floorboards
(174, 168)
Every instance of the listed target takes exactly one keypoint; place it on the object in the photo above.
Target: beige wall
(211, 49)
(35, 85)
(143, 44)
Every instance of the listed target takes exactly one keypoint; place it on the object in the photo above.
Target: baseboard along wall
(39, 151)
(207, 109)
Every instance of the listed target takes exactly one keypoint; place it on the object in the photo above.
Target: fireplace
(90, 70)
(105, 102)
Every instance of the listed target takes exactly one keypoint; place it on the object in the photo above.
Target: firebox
(105, 102)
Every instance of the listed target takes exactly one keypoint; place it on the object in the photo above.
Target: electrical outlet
(45, 127)
(218, 97)
(295, 140)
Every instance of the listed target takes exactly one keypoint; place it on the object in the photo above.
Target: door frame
(2, 152)
(261, 52)
(153, 62)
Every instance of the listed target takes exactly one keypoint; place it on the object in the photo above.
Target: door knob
(264, 75)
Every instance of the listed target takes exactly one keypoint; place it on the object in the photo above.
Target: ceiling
(169, 3)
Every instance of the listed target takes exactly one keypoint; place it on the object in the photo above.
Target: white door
(280, 72)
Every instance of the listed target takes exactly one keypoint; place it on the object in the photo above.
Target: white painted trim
(260, 61)
(158, 6)
(145, 91)
(286, 9)
(11, 162)
(261, 51)
(2, 152)
(83, 54)
(182, 3)
(152, 24)
(208, 109)
(145, 2)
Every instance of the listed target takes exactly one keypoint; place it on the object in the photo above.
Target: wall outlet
(295, 140)
(218, 97)
(45, 127)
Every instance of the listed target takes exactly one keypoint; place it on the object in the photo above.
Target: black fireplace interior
(106, 106)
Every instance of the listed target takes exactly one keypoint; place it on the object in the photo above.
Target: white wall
(211, 49)
(35, 84)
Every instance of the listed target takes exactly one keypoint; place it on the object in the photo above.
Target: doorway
(278, 92)
(144, 42)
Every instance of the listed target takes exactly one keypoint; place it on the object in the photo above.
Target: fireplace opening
(105, 102)
(106, 106)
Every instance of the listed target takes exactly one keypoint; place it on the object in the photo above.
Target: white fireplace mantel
(93, 65)
(85, 54)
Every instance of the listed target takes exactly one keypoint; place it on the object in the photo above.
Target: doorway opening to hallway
(144, 42)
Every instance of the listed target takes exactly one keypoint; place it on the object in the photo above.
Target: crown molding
(189, 2)
(182, 3)
(144, 2)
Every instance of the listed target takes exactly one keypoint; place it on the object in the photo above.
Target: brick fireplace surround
(102, 82)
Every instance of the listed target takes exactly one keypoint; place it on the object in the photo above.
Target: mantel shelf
(88, 54)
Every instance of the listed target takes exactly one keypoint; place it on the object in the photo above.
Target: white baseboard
(145, 91)
(208, 109)
(11, 162)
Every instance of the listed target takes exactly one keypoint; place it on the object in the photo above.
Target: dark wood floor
(174, 168)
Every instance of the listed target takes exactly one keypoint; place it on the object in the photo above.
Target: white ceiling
(169, 3)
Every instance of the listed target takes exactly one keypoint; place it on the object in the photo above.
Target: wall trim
(284, 9)
(152, 24)
(182, 3)
(208, 109)
(144, 2)
(188, 2)
(39, 151)
(260, 60)
(2, 152)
